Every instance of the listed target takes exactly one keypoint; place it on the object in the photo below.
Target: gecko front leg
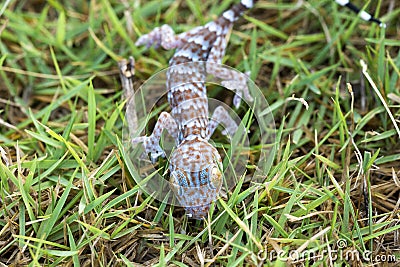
(152, 143)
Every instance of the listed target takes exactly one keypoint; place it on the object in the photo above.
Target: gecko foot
(150, 146)
(241, 89)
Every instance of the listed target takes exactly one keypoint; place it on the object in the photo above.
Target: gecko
(195, 165)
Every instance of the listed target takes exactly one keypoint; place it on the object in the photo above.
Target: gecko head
(196, 175)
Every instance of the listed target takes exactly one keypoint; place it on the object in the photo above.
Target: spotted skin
(195, 165)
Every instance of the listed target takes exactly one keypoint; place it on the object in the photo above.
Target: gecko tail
(237, 10)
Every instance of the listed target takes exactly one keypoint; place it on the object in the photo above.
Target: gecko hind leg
(165, 37)
(231, 79)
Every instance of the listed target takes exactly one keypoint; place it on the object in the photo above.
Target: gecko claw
(155, 155)
(230, 131)
(150, 147)
(240, 87)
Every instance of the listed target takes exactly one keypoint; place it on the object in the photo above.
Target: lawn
(331, 196)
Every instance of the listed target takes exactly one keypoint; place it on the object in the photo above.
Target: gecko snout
(196, 177)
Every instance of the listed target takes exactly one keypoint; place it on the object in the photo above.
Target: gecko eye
(179, 180)
(215, 176)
